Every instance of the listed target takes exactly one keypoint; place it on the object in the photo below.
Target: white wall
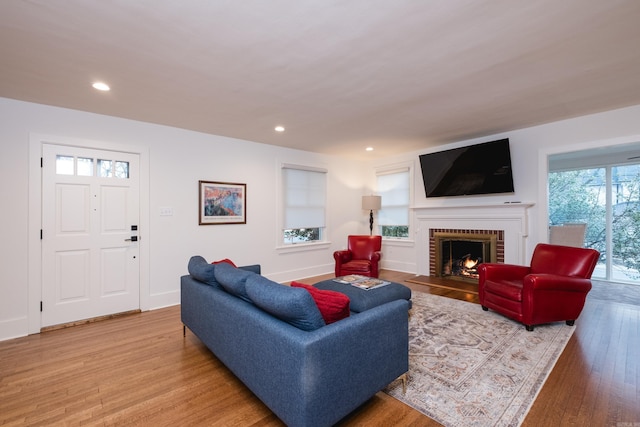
(177, 160)
(529, 150)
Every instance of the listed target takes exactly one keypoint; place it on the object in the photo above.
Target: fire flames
(468, 266)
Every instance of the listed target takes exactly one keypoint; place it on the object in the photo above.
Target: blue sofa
(273, 338)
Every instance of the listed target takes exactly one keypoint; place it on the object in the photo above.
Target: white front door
(90, 217)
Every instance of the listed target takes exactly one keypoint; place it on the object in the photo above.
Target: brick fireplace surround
(499, 234)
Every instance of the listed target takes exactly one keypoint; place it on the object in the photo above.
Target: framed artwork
(222, 203)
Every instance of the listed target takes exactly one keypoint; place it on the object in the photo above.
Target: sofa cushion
(202, 271)
(333, 305)
(233, 279)
(292, 305)
(357, 266)
(509, 289)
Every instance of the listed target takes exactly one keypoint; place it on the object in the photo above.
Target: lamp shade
(371, 203)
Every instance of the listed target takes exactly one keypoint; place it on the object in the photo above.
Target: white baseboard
(400, 266)
(165, 299)
(14, 328)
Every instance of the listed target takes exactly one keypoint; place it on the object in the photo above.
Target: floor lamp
(371, 203)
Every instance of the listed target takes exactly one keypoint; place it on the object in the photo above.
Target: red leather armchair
(361, 256)
(554, 288)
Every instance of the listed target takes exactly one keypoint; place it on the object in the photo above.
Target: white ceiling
(340, 75)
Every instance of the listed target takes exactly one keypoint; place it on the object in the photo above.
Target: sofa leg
(571, 322)
(403, 378)
(529, 327)
(184, 330)
(485, 308)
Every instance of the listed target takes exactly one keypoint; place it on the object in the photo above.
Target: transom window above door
(86, 166)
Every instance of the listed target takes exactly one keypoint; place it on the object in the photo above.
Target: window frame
(281, 199)
(407, 167)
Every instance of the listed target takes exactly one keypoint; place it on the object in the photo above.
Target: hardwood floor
(140, 370)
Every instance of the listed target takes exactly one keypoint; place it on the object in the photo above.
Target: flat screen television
(476, 169)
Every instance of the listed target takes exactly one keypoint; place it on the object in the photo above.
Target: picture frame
(222, 203)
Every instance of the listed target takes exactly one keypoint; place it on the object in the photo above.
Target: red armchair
(554, 288)
(361, 256)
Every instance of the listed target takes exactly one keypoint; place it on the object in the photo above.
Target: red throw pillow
(333, 305)
(227, 260)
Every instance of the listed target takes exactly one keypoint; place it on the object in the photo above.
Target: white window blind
(394, 189)
(304, 198)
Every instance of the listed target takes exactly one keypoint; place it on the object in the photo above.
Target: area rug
(469, 367)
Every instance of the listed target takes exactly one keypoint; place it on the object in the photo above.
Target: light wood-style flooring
(140, 370)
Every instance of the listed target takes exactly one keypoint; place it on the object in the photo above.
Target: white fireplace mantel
(512, 218)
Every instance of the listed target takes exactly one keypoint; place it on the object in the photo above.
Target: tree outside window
(593, 195)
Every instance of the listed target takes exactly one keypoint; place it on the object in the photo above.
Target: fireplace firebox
(458, 253)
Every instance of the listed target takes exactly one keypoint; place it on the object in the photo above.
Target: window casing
(395, 188)
(304, 191)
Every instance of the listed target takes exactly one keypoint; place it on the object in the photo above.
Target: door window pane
(579, 196)
(122, 169)
(607, 199)
(85, 166)
(105, 168)
(625, 181)
(64, 165)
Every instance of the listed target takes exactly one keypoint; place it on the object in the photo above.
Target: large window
(304, 204)
(393, 218)
(607, 199)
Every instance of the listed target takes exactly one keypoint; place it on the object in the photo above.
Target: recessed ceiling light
(369, 149)
(101, 86)
(279, 128)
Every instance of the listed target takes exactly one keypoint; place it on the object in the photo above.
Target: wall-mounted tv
(476, 169)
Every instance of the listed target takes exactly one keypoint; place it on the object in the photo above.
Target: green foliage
(626, 237)
(299, 235)
(395, 231)
(580, 196)
(574, 196)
